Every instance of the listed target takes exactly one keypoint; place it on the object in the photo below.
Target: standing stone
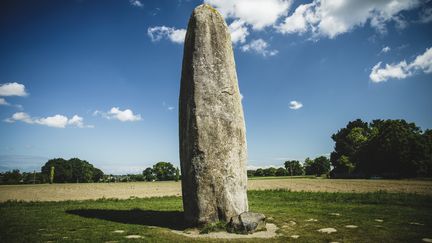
(212, 129)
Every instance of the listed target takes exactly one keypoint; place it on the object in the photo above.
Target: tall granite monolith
(213, 150)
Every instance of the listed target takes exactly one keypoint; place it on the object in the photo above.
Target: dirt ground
(62, 192)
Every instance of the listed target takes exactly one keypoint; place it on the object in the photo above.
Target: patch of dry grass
(62, 192)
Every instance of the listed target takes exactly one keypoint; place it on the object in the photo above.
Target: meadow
(402, 214)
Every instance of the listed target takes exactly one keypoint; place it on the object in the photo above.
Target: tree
(97, 175)
(395, 149)
(281, 172)
(308, 166)
(149, 174)
(12, 177)
(250, 173)
(348, 142)
(270, 171)
(177, 174)
(293, 167)
(73, 170)
(318, 166)
(164, 171)
(259, 172)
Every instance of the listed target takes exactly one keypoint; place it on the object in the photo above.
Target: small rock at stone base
(426, 240)
(247, 223)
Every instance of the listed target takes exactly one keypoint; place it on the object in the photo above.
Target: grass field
(405, 218)
(61, 192)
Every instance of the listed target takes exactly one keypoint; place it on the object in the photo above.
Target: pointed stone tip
(205, 7)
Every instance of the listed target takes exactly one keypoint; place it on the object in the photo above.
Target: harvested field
(62, 192)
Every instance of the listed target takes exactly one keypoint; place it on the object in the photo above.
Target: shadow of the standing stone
(167, 219)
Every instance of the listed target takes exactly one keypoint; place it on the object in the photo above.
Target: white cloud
(58, 121)
(78, 121)
(398, 71)
(259, 46)
(257, 13)
(117, 114)
(385, 49)
(20, 116)
(136, 3)
(170, 108)
(423, 62)
(330, 18)
(162, 32)
(3, 102)
(295, 105)
(402, 69)
(239, 31)
(12, 89)
(299, 21)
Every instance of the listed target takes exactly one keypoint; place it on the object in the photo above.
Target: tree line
(56, 171)
(381, 148)
(318, 167)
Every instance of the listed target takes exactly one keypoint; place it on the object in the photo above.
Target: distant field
(62, 192)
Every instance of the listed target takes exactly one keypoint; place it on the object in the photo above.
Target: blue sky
(99, 80)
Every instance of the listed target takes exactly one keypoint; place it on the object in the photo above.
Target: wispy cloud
(115, 113)
(3, 102)
(136, 3)
(158, 33)
(168, 107)
(401, 70)
(57, 121)
(295, 105)
(385, 49)
(259, 46)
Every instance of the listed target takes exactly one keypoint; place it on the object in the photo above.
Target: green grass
(95, 221)
(283, 177)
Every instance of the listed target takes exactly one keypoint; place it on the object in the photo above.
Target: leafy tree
(270, 171)
(293, 167)
(348, 142)
(164, 171)
(425, 165)
(395, 149)
(281, 172)
(73, 170)
(308, 166)
(12, 177)
(250, 173)
(318, 166)
(259, 172)
(97, 175)
(149, 174)
(387, 148)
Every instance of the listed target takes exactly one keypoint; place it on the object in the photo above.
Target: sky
(99, 80)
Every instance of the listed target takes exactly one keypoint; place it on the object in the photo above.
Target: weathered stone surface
(212, 129)
(247, 223)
